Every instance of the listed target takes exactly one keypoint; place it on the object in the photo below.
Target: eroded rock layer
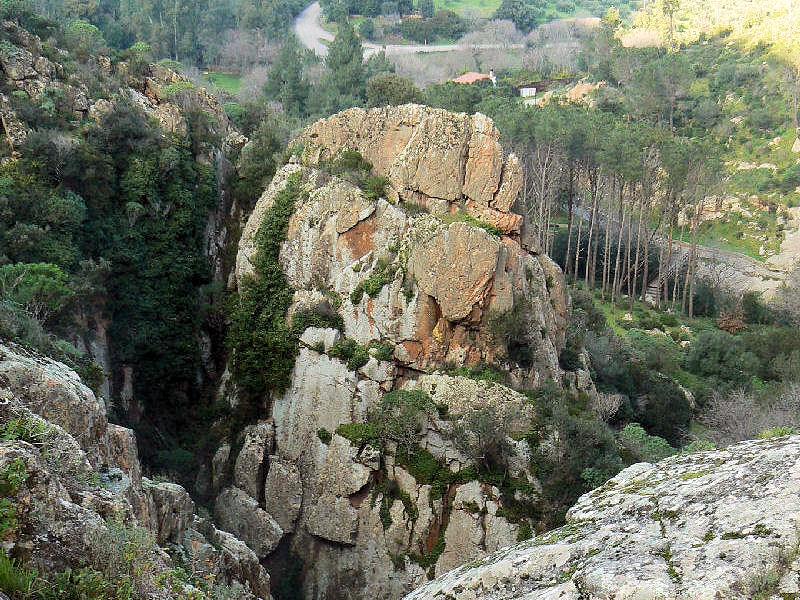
(439, 159)
(704, 526)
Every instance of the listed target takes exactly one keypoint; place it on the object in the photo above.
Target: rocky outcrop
(422, 279)
(32, 76)
(435, 158)
(720, 524)
(75, 484)
(442, 292)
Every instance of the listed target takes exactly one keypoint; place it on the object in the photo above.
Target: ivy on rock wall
(261, 341)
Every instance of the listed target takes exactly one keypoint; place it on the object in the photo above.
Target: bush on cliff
(262, 343)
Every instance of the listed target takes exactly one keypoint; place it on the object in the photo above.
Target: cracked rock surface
(416, 274)
(704, 526)
(80, 481)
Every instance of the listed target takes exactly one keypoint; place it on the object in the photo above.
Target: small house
(472, 77)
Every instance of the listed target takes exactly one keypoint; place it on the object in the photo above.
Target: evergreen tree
(286, 82)
(522, 14)
(344, 84)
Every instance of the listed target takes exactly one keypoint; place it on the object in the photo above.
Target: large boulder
(241, 515)
(721, 524)
(441, 291)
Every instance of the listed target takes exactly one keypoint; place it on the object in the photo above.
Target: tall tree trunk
(614, 285)
(628, 245)
(693, 256)
(592, 218)
(578, 244)
(571, 209)
(670, 242)
(635, 279)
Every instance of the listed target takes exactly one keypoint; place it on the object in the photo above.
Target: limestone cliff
(72, 494)
(424, 278)
(710, 525)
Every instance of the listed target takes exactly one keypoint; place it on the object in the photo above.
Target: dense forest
(182, 30)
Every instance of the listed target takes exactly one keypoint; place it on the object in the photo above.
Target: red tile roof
(471, 77)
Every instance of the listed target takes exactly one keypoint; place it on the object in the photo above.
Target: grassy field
(483, 7)
(227, 82)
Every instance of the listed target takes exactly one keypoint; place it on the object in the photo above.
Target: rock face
(31, 75)
(720, 524)
(432, 157)
(445, 284)
(423, 280)
(79, 488)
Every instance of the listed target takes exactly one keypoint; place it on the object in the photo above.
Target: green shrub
(303, 319)
(9, 519)
(383, 351)
(382, 275)
(483, 435)
(776, 432)
(15, 580)
(350, 351)
(720, 355)
(262, 343)
(426, 560)
(41, 288)
(375, 187)
(324, 435)
(348, 161)
(12, 477)
(480, 373)
(27, 429)
(511, 328)
(400, 416)
(663, 409)
(175, 89)
(359, 433)
(470, 220)
(80, 584)
(698, 446)
(643, 447)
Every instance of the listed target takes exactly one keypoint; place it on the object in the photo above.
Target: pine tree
(344, 85)
(345, 62)
(286, 82)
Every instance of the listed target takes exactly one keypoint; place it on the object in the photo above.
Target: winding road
(313, 36)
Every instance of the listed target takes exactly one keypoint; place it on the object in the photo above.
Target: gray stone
(239, 514)
(703, 526)
(249, 469)
(283, 492)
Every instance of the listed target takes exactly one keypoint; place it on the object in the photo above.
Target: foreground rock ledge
(710, 525)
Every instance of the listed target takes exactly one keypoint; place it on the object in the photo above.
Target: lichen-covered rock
(474, 529)
(433, 289)
(172, 509)
(417, 291)
(721, 524)
(283, 492)
(240, 514)
(430, 156)
(250, 467)
(77, 492)
(55, 392)
(17, 62)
